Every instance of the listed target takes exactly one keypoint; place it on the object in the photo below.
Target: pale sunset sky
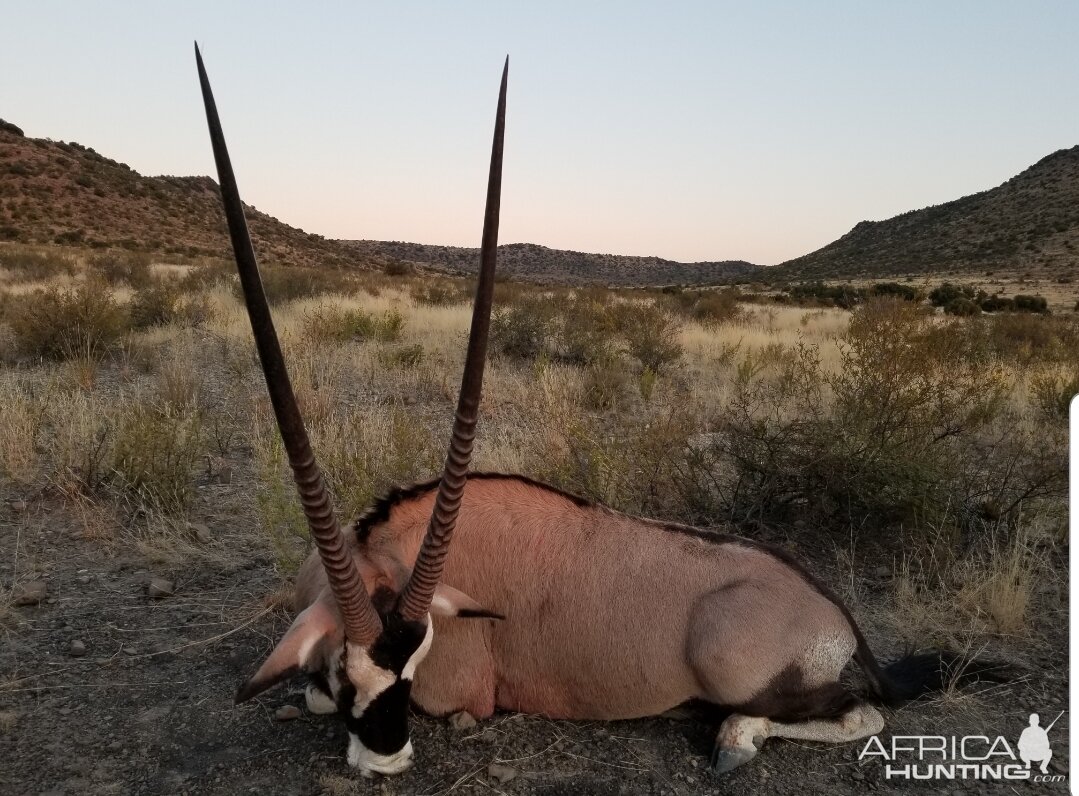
(691, 131)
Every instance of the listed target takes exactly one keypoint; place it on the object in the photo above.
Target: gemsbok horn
(606, 616)
(377, 649)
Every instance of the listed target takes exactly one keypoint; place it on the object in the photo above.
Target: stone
(158, 588)
(201, 532)
(501, 773)
(882, 572)
(462, 720)
(287, 713)
(84, 579)
(77, 648)
(18, 506)
(30, 593)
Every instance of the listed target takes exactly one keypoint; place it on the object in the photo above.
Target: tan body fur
(607, 616)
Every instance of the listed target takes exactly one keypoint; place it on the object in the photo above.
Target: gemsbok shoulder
(546, 603)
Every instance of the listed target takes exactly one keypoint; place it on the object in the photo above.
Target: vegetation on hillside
(1030, 224)
(933, 437)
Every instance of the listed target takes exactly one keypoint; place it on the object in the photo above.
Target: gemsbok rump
(546, 603)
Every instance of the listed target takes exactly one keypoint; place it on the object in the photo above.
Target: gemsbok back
(546, 603)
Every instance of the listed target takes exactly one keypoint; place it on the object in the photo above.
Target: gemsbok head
(368, 628)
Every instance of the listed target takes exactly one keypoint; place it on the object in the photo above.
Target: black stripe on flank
(380, 510)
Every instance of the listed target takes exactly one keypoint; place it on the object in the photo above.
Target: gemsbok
(547, 603)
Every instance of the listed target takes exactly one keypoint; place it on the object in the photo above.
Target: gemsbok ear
(314, 634)
(449, 601)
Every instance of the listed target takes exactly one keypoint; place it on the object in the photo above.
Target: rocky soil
(119, 677)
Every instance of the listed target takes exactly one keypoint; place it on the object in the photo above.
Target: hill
(1028, 224)
(534, 263)
(68, 194)
(65, 193)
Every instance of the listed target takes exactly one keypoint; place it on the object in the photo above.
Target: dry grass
(126, 438)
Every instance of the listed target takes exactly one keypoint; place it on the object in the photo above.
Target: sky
(691, 131)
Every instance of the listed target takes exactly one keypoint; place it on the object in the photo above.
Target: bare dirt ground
(148, 707)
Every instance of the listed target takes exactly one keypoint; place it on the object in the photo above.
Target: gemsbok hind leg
(740, 736)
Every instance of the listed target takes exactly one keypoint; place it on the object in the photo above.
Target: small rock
(287, 713)
(158, 588)
(30, 593)
(882, 572)
(131, 650)
(18, 506)
(84, 579)
(462, 720)
(77, 649)
(500, 773)
(201, 532)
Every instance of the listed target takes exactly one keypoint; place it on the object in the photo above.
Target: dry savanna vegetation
(887, 439)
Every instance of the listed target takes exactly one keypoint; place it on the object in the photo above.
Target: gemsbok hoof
(724, 760)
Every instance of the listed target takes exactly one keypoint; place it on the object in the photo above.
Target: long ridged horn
(362, 623)
(416, 599)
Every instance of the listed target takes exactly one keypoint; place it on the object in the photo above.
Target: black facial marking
(399, 641)
(319, 681)
(383, 727)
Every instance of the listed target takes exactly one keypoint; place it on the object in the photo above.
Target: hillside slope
(1028, 224)
(531, 262)
(65, 193)
(68, 194)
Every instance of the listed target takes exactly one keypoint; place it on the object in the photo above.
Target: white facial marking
(359, 756)
(318, 702)
(417, 657)
(370, 680)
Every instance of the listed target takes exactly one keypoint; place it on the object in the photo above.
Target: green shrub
(1031, 304)
(332, 323)
(129, 268)
(717, 306)
(407, 356)
(63, 323)
(652, 335)
(441, 293)
(605, 383)
(524, 330)
(32, 266)
(895, 438)
(154, 452)
(154, 305)
(896, 290)
(288, 283)
(962, 307)
(586, 332)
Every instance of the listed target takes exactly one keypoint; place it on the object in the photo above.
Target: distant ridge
(52, 192)
(68, 194)
(535, 263)
(1028, 224)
